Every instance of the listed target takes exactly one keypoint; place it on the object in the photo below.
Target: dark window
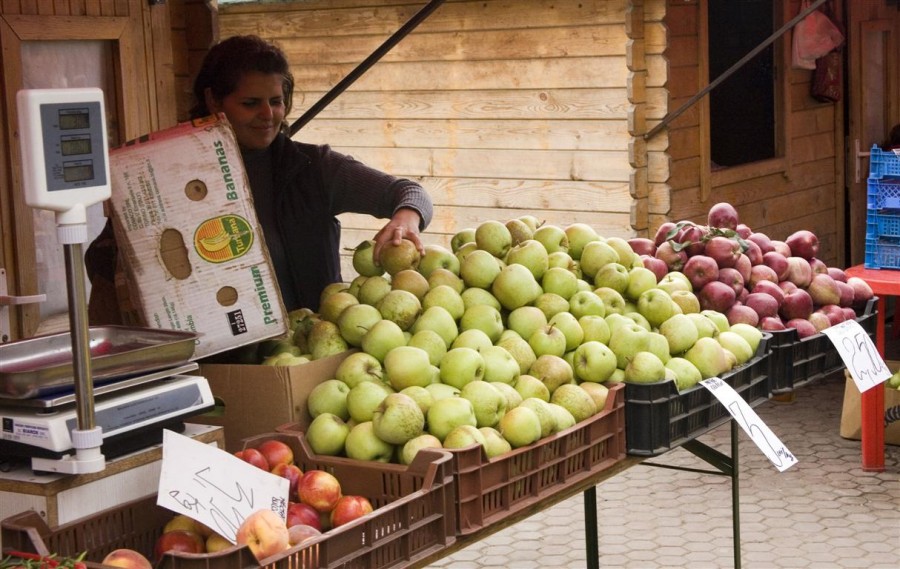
(741, 108)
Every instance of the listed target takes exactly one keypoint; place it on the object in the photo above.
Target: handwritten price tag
(860, 356)
(215, 487)
(747, 418)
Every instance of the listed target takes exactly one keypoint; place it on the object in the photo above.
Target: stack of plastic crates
(883, 215)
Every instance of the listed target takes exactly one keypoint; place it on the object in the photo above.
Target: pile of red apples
(753, 278)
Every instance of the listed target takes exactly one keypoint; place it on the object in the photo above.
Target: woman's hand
(403, 225)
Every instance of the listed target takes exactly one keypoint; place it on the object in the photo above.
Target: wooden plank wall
(498, 108)
(802, 195)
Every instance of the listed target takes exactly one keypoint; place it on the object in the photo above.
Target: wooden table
(884, 283)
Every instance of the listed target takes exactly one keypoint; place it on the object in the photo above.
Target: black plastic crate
(658, 418)
(794, 362)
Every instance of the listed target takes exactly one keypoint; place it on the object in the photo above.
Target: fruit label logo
(223, 238)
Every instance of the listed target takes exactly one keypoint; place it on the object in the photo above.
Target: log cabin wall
(498, 108)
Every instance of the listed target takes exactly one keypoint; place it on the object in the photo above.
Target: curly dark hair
(229, 60)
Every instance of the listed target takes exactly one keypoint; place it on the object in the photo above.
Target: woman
(298, 188)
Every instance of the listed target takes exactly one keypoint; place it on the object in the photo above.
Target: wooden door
(873, 100)
(123, 48)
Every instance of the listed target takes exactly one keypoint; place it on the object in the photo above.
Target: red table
(884, 283)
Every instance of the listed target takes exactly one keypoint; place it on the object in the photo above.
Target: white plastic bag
(814, 36)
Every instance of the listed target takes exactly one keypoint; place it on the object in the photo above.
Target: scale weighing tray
(43, 365)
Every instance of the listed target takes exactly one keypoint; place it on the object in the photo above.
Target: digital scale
(65, 169)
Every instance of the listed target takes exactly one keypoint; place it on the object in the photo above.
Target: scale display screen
(75, 145)
(73, 130)
(74, 118)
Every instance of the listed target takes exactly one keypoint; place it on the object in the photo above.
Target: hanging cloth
(814, 36)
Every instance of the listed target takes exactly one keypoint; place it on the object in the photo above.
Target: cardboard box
(255, 399)
(190, 245)
(851, 412)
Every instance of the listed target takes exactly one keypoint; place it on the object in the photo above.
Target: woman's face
(255, 109)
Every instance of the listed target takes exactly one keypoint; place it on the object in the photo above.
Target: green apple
(658, 346)
(531, 221)
(552, 237)
(550, 303)
(627, 341)
(396, 257)
(560, 281)
(382, 337)
(527, 385)
(373, 289)
(398, 419)
(737, 345)
(473, 296)
(520, 427)
(752, 334)
(595, 328)
(364, 398)
(494, 443)
(593, 362)
(614, 276)
(441, 391)
(640, 279)
(479, 269)
(364, 260)
(520, 350)
(530, 254)
(326, 434)
(435, 257)
(709, 357)
(594, 255)
(548, 340)
(626, 254)
(598, 392)
(671, 283)
(363, 444)
(431, 342)
(472, 338)
(687, 300)
(645, 367)
(411, 448)
(513, 398)
(447, 297)
(494, 237)
(356, 320)
(570, 327)
(706, 328)
(719, 319)
(586, 302)
(525, 320)
(575, 400)
(579, 235)
(359, 367)
(657, 306)
(680, 333)
(460, 366)
(485, 318)
(401, 307)
(553, 371)
(499, 364)
(489, 404)
(541, 408)
(330, 308)
(562, 260)
(448, 413)
(412, 281)
(464, 251)
(420, 395)
(407, 365)
(612, 299)
(686, 374)
(441, 276)
(515, 286)
(678, 275)
(464, 436)
(461, 237)
(325, 340)
(352, 288)
(438, 319)
(564, 420)
(330, 396)
(638, 318)
(519, 231)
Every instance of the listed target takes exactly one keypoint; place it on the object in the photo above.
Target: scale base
(85, 461)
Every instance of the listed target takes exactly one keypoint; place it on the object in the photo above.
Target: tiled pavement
(825, 512)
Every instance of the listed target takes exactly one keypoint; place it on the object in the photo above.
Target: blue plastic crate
(883, 163)
(882, 253)
(883, 223)
(883, 194)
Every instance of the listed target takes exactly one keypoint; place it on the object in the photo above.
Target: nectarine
(276, 452)
(179, 540)
(299, 533)
(349, 508)
(254, 457)
(319, 489)
(128, 559)
(264, 532)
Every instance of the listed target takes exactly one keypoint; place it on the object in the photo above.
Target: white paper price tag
(755, 428)
(215, 487)
(860, 355)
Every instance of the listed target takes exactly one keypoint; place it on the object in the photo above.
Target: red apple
(834, 313)
(657, 266)
(742, 296)
(777, 262)
(744, 266)
(781, 247)
(299, 533)
(700, 270)
(724, 250)
(798, 304)
(723, 215)
(692, 237)
(319, 489)
(786, 286)
(763, 303)
(254, 457)
(717, 296)
(771, 288)
(127, 558)
(819, 320)
(771, 324)
(804, 327)
(760, 273)
(300, 513)
(762, 240)
(743, 230)
(803, 243)
(179, 540)
(673, 259)
(799, 271)
(818, 266)
(754, 253)
(846, 294)
(264, 533)
(642, 246)
(824, 290)
(291, 472)
(349, 508)
(731, 277)
(662, 233)
(742, 313)
(837, 274)
(276, 452)
(849, 313)
(862, 292)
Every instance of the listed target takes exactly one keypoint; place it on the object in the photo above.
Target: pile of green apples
(511, 334)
